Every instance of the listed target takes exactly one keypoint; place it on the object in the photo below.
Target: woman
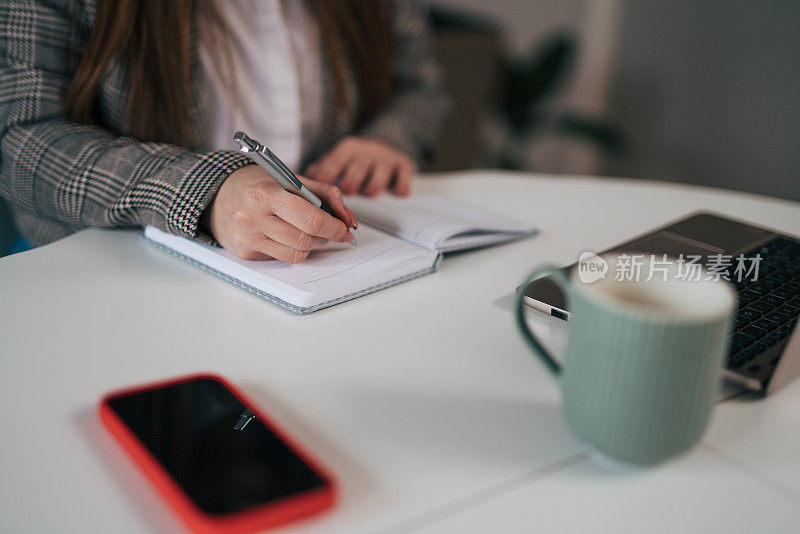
(121, 113)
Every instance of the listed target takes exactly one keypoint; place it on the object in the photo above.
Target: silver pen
(267, 160)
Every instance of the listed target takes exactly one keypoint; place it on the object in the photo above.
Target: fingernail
(348, 236)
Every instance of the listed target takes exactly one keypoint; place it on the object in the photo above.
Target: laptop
(764, 353)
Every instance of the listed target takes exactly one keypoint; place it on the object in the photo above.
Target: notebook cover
(299, 310)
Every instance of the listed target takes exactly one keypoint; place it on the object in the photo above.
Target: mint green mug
(643, 358)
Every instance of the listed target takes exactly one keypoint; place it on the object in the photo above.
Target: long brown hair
(155, 39)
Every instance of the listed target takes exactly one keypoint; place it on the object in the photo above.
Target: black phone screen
(224, 459)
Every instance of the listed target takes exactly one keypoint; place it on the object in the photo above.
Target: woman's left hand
(365, 165)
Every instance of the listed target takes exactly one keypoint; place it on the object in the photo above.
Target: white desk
(420, 397)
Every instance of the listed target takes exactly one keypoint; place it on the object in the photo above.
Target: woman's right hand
(256, 219)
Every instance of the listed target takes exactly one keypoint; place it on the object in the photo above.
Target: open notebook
(398, 239)
(436, 222)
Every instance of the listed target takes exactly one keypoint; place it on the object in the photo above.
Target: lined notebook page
(434, 221)
(332, 271)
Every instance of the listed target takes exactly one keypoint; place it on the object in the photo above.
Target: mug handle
(558, 277)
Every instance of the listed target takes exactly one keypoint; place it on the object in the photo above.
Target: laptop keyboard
(768, 307)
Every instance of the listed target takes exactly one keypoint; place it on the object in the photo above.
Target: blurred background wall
(710, 93)
(698, 92)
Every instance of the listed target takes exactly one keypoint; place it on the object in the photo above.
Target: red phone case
(267, 516)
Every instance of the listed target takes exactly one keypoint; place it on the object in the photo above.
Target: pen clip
(281, 166)
(246, 143)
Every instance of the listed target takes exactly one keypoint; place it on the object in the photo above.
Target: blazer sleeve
(77, 175)
(413, 118)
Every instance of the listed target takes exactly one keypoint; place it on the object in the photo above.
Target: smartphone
(219, 461)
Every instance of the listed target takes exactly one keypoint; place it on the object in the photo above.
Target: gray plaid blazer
(60, 177)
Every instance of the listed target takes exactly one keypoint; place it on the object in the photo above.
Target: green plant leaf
(549, 66)
(600, 131)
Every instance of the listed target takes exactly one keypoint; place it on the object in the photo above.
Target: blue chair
(20, 245)
(10, 241)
